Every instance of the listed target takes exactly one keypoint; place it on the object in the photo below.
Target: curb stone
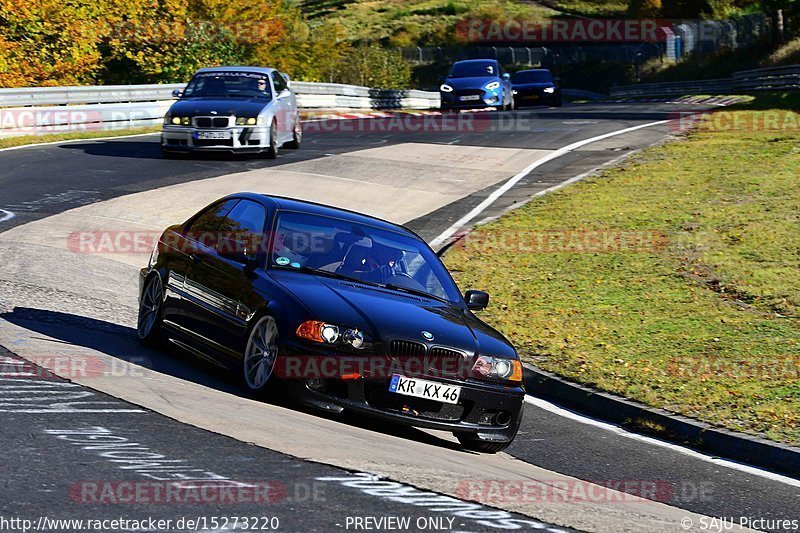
(683, 430)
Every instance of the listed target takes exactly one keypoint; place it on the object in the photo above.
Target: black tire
(260, 353)
(557, 101)
(272, 151)
(297, 136)
(151, 312)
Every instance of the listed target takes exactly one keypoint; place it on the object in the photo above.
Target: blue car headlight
(445, 88)
(491, 86)
(550, 90)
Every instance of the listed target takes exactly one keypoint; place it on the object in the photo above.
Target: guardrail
(41, 110)
(762, 79)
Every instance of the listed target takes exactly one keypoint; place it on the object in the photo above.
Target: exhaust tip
(503, 418)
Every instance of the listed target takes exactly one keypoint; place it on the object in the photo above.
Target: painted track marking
(492, 198)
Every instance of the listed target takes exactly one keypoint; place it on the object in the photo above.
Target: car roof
(255, 70)
(293, 204)
(476, 61)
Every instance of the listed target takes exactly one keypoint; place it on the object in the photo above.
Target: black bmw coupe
(344, 310)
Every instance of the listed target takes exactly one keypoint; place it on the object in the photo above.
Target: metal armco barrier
(42, 110)
(762, 79)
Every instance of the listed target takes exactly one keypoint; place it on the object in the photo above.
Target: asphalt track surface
(46, 311)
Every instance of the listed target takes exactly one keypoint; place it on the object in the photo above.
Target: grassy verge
(673, 279)
(22, 140)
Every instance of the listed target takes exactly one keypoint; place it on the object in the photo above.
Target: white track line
(492, 198)
(566, 413)
(5, 215)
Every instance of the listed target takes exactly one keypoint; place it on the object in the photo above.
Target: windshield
(532, 76)
(359, 252)
(228, 85)
(473, 70)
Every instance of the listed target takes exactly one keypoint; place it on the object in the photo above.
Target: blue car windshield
(532, 76)
(228, 85)
(473, 70)
(340, 247)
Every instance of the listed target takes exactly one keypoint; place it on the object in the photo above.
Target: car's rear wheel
(148, 326)
(297, 136)
(272, 151)
(260, 354)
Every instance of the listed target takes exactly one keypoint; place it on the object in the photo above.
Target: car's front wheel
(297, 136)
(148, 326)
(260, 354)
(272, 151)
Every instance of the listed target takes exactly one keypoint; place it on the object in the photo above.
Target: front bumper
(489, 411)
(484, 98)
(239, 139)
(534, 97)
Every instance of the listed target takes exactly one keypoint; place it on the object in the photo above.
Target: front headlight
(501, 368)
(513, 91)
(317, 331)
(492, 86)
(445, 88)
(550, 90)
(178, 121)
(249, 121)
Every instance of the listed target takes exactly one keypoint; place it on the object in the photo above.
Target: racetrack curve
(56, 301)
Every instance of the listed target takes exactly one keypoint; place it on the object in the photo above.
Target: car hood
(532, 85)
(469, 83)
(219, 106)
(387, 314)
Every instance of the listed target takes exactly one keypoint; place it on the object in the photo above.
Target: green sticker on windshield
(283, 261)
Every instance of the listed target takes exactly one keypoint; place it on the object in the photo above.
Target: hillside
(415, 22)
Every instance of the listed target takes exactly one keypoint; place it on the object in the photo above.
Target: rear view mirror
(506, 76)
(177, 93)
(476, 300)
(284, 94)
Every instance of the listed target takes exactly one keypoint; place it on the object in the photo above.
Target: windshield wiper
(417, 292)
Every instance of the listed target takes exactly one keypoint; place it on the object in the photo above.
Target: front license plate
(532, 97)
(421, 388)
(469, 97)
(212, 135)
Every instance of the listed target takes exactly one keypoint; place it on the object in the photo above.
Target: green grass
(415, 22)
(705, 322)
(9, 142)
(590, 8)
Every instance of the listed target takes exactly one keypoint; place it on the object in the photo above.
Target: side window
(210, 219)
(278, 81)
(244, 227)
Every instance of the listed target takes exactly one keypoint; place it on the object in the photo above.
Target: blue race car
(476, 83)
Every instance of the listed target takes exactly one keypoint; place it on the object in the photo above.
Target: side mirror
(286, 93)
(506, 76)
(476, 300)
(177, 93)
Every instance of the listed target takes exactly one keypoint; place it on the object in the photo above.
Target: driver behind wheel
(381, 263)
